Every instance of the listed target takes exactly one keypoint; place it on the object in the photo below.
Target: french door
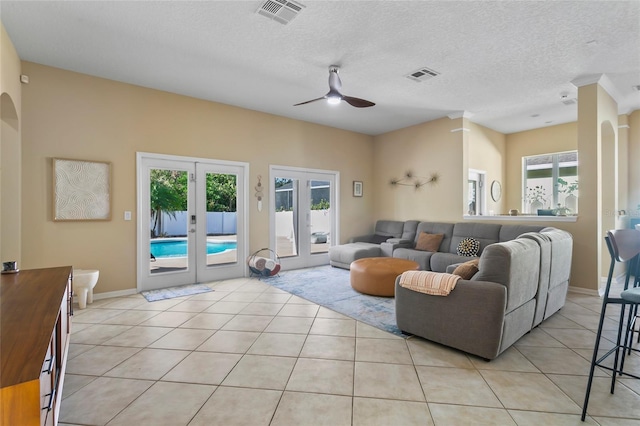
(303, 212)
(191, 220)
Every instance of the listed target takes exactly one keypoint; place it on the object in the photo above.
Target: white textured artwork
(81, 190)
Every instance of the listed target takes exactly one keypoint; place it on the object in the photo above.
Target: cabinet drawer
(48, 385)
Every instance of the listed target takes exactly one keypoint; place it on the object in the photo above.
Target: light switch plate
(127, 215)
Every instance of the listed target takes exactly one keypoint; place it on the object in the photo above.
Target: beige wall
(10, 156)
(487, 152)
(422, 149)
(560, 138)
(633, 206)
(77, 116)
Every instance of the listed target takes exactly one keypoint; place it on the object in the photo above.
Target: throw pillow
(468, 247)
(429, 242)
(467, 270)
(379, 239)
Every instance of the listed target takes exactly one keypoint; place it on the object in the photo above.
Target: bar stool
(624, 248)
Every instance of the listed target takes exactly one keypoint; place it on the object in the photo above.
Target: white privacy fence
(225, 223)
(218, 223)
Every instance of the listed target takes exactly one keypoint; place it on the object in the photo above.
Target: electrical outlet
(127, 215)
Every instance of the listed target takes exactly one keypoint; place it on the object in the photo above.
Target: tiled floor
(250, 354)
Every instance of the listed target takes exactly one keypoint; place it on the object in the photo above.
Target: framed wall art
(81, 190)
(357, 188)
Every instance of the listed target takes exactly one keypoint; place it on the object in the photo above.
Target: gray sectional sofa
(523, 279)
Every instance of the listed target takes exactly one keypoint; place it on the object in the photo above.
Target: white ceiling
(501, 62)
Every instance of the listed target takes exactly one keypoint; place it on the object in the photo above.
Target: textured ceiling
(501, 62)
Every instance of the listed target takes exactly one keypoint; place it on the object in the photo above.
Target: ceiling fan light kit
(335, 97)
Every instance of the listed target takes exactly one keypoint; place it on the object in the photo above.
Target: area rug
(171, 292)
(330, 287)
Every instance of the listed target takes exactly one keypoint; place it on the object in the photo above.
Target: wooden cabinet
(35, 310)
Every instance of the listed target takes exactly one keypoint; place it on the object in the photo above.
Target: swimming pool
(178, 248)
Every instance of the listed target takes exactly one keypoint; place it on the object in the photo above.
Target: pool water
(178, 248)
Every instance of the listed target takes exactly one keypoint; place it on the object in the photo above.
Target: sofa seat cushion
(422, 257)
(341, 256)
(440, 261)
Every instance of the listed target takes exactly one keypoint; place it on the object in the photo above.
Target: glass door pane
(320, 217)
(168, 191)
(286, 216)
(220, 210)
(221, 220)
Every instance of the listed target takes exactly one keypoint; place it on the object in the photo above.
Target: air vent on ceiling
(282, 11)
(422, 74)
(570, 101)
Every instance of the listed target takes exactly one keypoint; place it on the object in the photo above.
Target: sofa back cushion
(409, 229)
(514, 264)
(485, 233)
(545, 269)
(511, 232)
(389, 228)
(446, 229)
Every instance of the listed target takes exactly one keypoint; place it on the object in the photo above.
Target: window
(550, 181)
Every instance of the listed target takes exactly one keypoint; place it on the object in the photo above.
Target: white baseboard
(110, 294)
(586, 291)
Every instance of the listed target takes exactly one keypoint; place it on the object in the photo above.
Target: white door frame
(143, 253)
(300, 261)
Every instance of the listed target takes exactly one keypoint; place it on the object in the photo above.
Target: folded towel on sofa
(429, 282)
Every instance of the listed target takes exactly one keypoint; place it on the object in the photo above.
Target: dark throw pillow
(468, 247)
(467, 270)
(429, 242)
(379, 239)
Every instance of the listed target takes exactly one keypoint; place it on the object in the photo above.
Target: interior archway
(10, 179)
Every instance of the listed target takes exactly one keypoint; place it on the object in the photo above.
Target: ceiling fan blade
(312, 100)
(357, 102)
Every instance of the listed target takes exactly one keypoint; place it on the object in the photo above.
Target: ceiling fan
(334, 96)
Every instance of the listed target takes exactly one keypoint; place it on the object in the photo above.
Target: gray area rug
(171, 292)
(330, 287)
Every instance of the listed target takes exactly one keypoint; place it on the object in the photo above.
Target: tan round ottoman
(377, 275)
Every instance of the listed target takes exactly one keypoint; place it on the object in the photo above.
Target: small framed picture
(357, 188)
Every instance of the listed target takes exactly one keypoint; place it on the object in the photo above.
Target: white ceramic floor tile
(138, 336)
(297, 408)
(165, 403)
(529, 391)
(264, 372)
(464, 415)
(182, 338)
(334, 327)
(322, 376)
(229, 406)
(386, 412)
(148, 364)
(278, 344)
(101, 400)
(382, 350)
(456, 386)
(388, 381)
(203, 367)
(208, 321)
(99, 360)
(229, 341)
